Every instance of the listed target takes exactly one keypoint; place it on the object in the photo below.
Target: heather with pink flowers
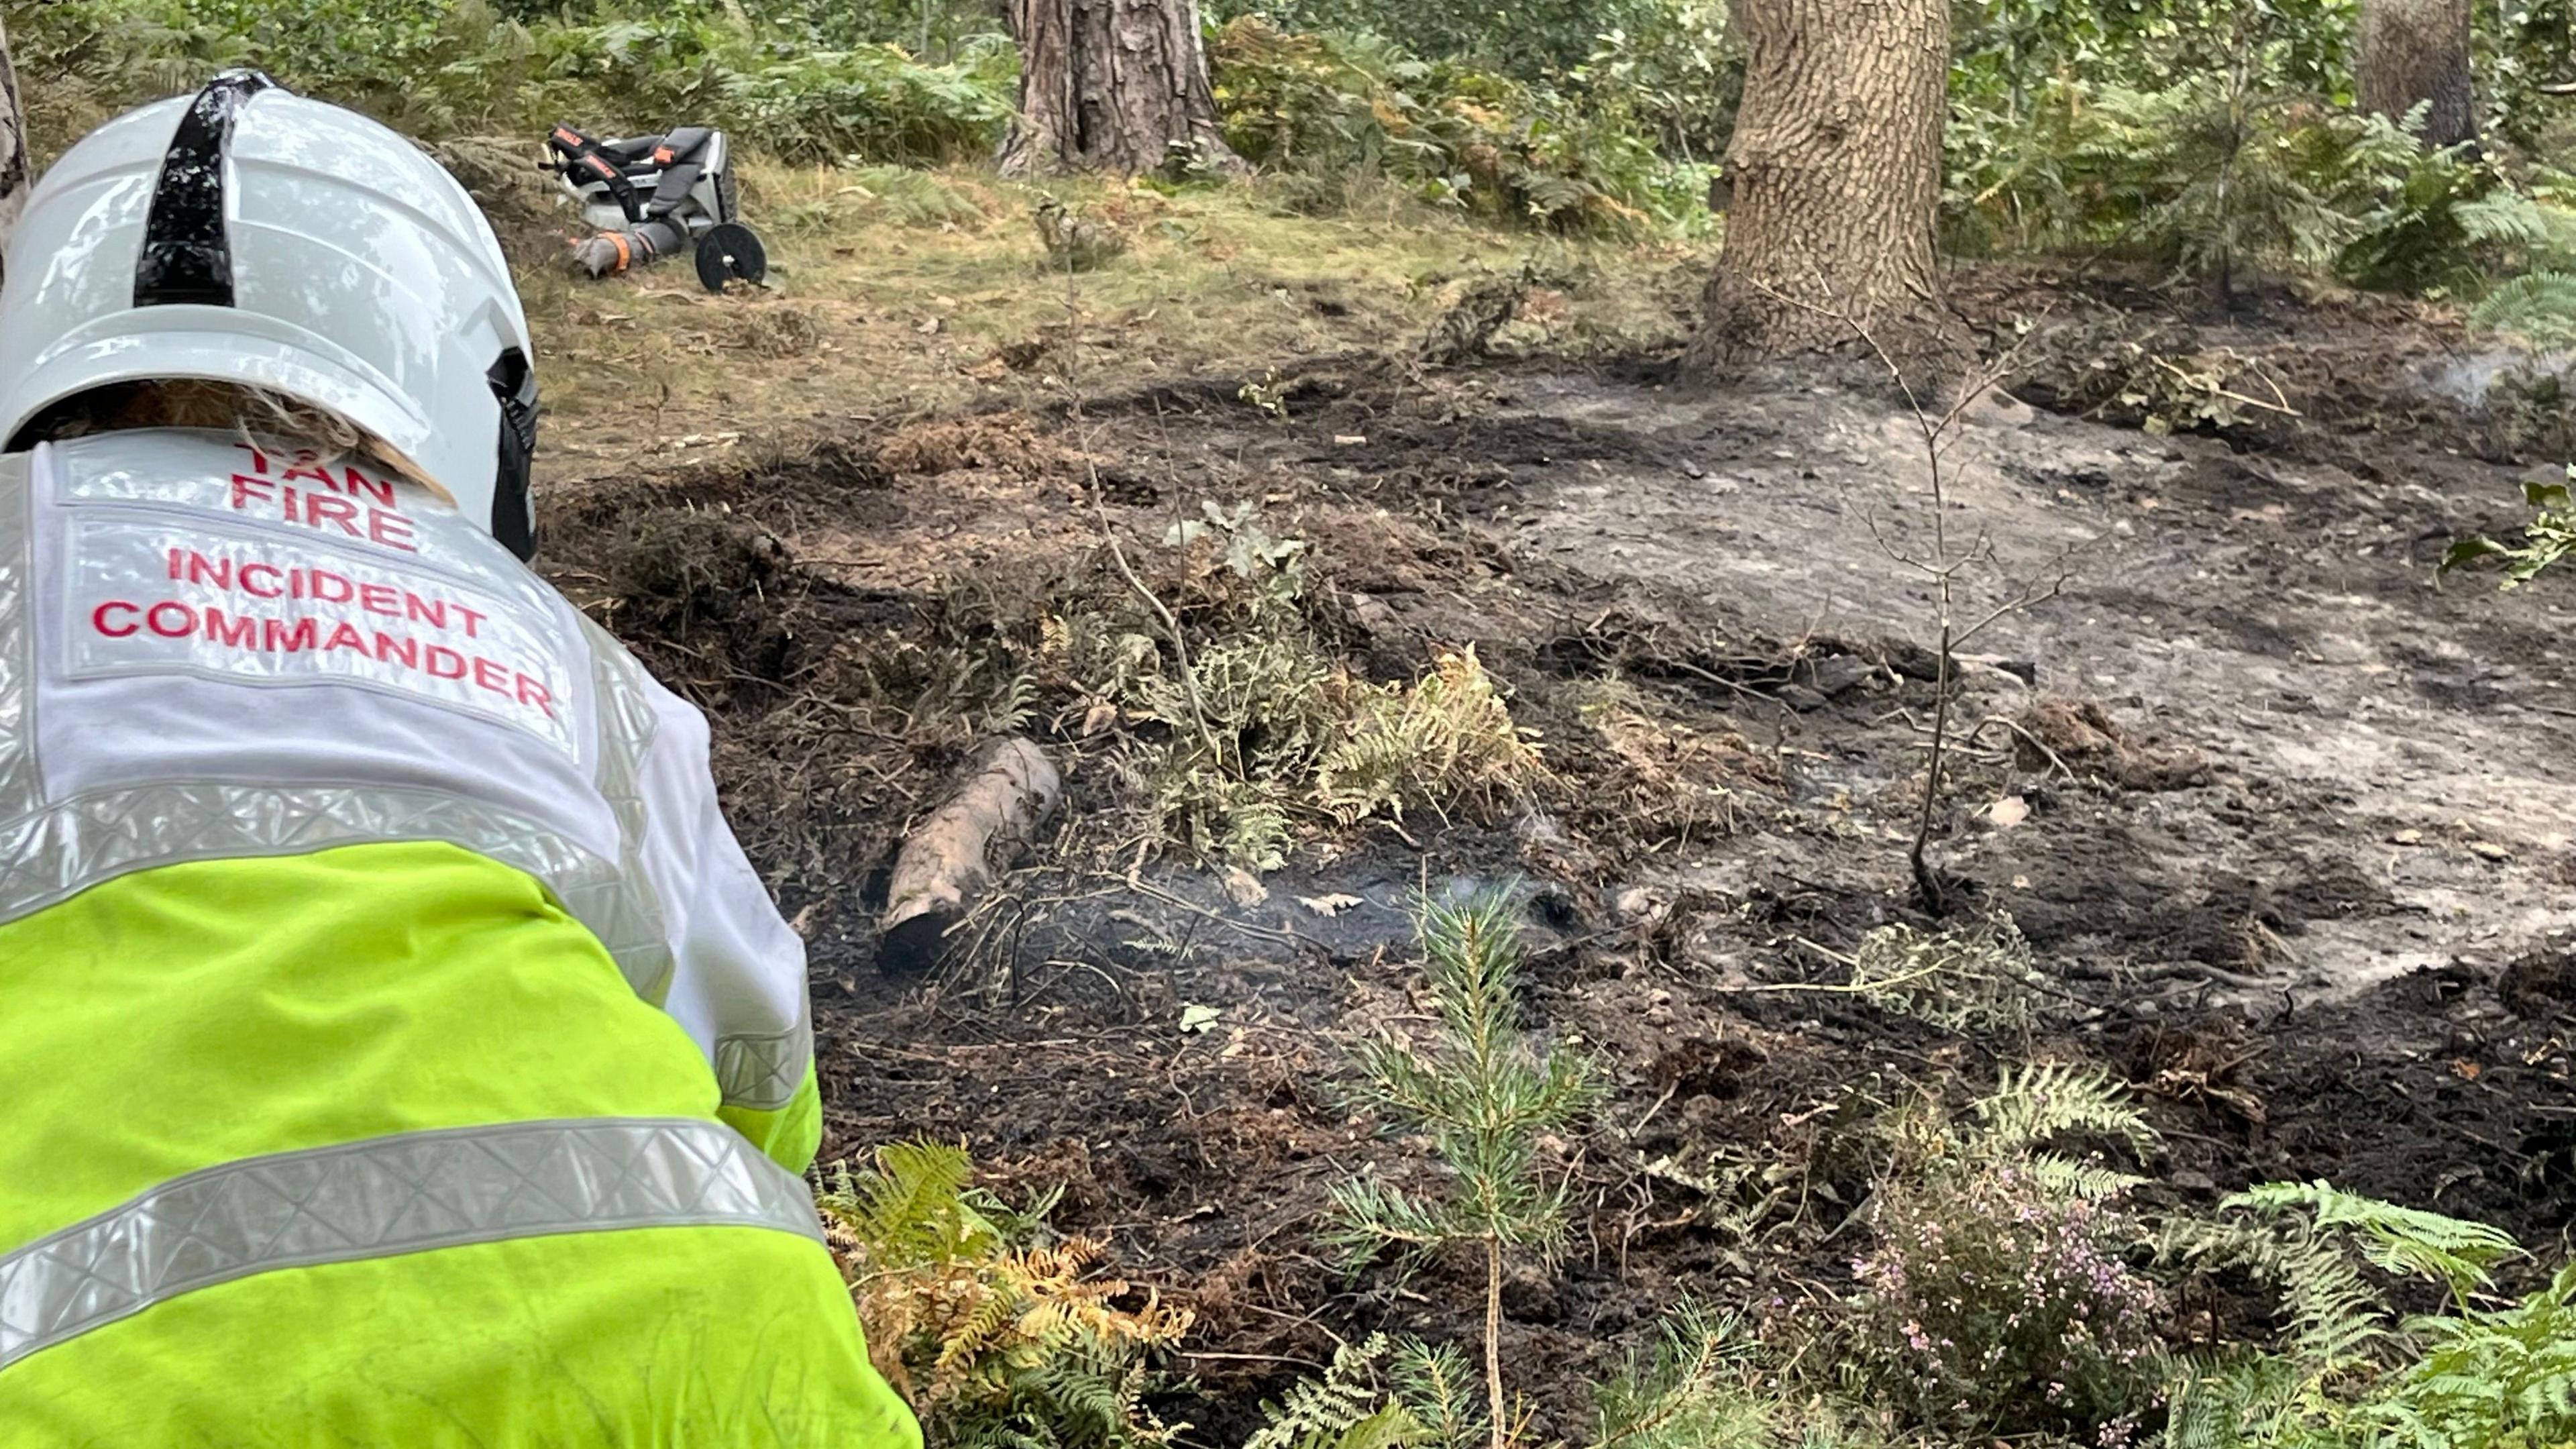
(1995, 1301)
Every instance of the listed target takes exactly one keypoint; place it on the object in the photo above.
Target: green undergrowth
(2006, 1286)
(435, 69)
(1332, 112)
(1242, 735)
(1330, 115)
(2222, 142)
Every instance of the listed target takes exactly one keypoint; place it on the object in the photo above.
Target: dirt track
(2304, 901)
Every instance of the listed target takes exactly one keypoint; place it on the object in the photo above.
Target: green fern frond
(2087, 1180)
(910, 1206)
(2540, 306)
(2036, 1103)
(2333, 1322)
(2234, 1401)
(2488, 1376)
(2398, 1239)
(1340, 1410)
(2482, 1377)
(2503, 217)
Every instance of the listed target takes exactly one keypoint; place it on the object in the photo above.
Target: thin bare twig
(1942, 567)
(1171, 625)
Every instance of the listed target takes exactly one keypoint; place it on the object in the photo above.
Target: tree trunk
(1502, 1429)
(1111, 85)
(1833, 178)
(15, 174)
(2416, 52)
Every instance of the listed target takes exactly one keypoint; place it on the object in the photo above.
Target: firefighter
(395, 1046)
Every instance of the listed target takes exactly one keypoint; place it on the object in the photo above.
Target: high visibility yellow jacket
(395, 1047)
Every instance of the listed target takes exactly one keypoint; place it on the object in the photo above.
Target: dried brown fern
(976, 1330)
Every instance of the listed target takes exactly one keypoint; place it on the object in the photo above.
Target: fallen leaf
(2465, 1070)
(2489, 850)
(2408, 837)
(1196, 1018)
(1243, 889)
(2008, 812)
(1100, 716)
(1328, 905)
(926, 326)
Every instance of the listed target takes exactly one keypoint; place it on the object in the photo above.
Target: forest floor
(2285, 821)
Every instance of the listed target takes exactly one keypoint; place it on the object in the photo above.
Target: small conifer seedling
(1487, 1097)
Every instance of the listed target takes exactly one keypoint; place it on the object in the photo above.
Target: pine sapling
(1488, 1098)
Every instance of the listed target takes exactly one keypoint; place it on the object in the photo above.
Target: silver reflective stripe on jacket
(625, 733)
(56, 851)
(20, 791)
(385, 1196)
(763, 1072)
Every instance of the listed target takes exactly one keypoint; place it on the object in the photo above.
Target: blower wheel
(731, 252)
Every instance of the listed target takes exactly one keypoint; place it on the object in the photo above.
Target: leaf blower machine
(647, 197)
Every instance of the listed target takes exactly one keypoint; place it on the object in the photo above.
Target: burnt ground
(2284, 819)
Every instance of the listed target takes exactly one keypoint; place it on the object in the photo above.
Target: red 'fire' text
(349, 501)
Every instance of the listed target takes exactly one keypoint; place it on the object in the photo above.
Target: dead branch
(2282, 407)
(948, 861)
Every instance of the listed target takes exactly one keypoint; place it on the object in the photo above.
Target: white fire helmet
(252, 236)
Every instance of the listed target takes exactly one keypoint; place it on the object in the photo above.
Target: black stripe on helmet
(514, 508)
(186, 256)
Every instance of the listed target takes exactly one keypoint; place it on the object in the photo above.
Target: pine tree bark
(16, 175)
(2416, 52)
(1833, 179)
(1111, 85)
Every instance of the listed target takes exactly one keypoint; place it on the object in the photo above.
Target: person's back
(396, 1047)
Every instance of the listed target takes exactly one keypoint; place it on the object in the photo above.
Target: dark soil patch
(2541, 984)
(2426, 1091)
